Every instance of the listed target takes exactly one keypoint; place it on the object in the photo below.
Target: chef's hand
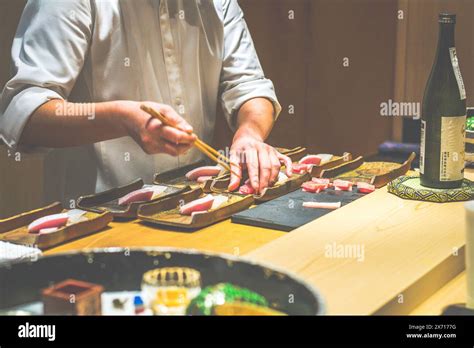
(262, 161)
(152, 136)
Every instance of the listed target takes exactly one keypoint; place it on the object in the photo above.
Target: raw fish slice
(322, 205)
(142, 195)
(194, 174)
(342, 185)
(301, 168)
(147, 193)
(310, 159)
(313, 187)
(364, 187)
(203, 179)
(219, 200)
(201, 204)
(323, 181)
(50, 221)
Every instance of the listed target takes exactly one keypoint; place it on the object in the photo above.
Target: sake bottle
(443, 119)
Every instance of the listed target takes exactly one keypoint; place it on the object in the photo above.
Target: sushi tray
(194, 209)
(50, 226)
(123, 202)
(152, 281)
(378, 174)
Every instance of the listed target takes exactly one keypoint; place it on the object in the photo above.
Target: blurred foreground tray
(122, 269)
(15, 229)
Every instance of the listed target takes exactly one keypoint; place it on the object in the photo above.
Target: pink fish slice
(47, 222)
(194, 174)
(203, 179)
(142, 195)
(310, 159)
(199, 205)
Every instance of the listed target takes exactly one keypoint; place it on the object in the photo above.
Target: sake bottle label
(457, 72)
(422, 147)
(453, 130)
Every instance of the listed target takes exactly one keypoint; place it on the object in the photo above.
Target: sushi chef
(81, 70)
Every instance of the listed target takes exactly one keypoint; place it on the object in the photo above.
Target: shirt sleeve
(242, 76)
(48, 53)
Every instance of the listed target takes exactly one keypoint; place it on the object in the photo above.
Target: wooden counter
(224, 237)
(412, 249)
(409, 251)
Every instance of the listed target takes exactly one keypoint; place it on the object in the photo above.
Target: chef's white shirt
(185, 53)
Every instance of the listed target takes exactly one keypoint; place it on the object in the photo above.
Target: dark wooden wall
(337, 108)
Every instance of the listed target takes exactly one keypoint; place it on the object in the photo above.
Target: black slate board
(287, 213)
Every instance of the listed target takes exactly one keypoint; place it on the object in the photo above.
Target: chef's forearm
(59, 124)
(255, 118)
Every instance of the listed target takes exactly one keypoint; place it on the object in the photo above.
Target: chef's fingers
(265, 168)
(236, 176)
(174, 135)
(275, 169)
(287, 162)
(251, 161)
(175, 118)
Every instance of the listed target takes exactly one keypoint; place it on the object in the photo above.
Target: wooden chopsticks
(209, 151)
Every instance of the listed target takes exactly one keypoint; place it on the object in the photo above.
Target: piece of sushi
(310, 159)
(212, 171)
(313, 187)
(322, 205)
(47, 222)
(144, 194)
(198, 205)
(316, 160)
(203, 179)
(301, 168)
(364, 187)
(342, 185)
(323, 181)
